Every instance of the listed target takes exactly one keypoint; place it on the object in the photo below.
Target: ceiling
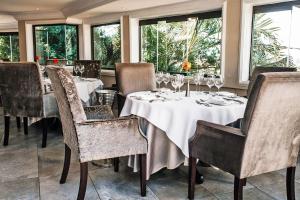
(78, 8)
(14, 6)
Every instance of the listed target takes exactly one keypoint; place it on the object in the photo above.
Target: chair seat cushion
(99, 112)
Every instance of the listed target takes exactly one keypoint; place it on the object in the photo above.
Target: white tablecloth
(177, 115)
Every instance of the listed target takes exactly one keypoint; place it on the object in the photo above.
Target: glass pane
(9, 47)
(167, 45)
(56, 41)
(107, 45)
(295, 39)
(271, 39)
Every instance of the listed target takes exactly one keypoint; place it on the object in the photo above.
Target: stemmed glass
(76, 69)
(210, 82)
(174, 83)
(166, 79)
(196, 80)
(159, 78)
(180, 80)
(219, 82)
(81, 69)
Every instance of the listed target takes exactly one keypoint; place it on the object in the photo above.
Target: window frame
(92, 40)
(267, 8)
(181, 18)
(58, 24)
(11, 33)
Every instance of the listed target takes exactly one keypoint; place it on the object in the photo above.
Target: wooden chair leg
(238, 188)
(143, 165)
(192, 177)
(66, 168)
(290, 183)
(18, 119)
(25, 124)
(116, 162)
(83, 180)
(45, 132)
(6, 130)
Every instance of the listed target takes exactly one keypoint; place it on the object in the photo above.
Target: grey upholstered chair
(133, 77)
(23, 96)
(260, 70)
(92, 68)
(267, 140)
(255, 73)
(93, 139)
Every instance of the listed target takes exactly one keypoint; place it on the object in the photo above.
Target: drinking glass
(180, 80)
(196, 80)
(210, 82)
(174, 83)
(76, 69)
(166, 78)
(81, 69)
(159, 78)
(219, 82)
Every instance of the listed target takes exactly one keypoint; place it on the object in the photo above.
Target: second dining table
(169, 120)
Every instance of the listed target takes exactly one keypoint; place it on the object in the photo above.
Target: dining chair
(93, 140)
(255, 73)
(92, 68)
(133, 77)
(262, 69)
(23, 96)
(266, 142)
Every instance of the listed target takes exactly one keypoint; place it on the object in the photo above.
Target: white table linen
(177, 115)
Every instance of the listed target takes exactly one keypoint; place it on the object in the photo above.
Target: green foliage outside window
(56, 41)
(107, 45)
(167, 45)
(9, 47)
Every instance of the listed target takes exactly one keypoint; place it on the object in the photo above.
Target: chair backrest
(259, 70)
(272, 124)
(21, 89)
(134, 77)
(92, 68)
(69, 104)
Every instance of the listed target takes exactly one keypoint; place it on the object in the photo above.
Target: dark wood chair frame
(84, 173)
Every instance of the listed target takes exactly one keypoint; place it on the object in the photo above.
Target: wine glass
(196, 80)
(159, 78)
(81, 69)
(166, 78)
(219, 82)
(210, 82)
(174, 83)
(180, 81)
(76, 69)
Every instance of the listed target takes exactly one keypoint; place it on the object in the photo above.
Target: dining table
(168, 120)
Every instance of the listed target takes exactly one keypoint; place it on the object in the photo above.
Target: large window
(167, 42)
(275, 35)
(9, 47)
(106, 44)
(59, 41)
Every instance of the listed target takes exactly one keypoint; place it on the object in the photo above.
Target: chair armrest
(218, 145)
(101, 139)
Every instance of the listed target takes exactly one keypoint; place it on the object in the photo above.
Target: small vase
(187, 92)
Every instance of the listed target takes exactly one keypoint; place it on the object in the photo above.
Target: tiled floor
(29, 172)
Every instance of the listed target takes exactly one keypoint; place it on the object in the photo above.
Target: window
(167, 42)
(9, 46)
(275, 35)
(106, 44)
(59, 41)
